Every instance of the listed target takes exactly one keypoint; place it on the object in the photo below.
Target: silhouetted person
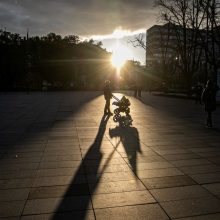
(209, 100)
(108, 96)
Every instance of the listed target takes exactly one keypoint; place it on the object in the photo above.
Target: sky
(108, 21)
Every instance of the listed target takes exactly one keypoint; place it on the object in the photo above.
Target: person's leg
(107, 104)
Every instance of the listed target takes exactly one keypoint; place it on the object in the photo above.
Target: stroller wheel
(116, 111)
(115, 118)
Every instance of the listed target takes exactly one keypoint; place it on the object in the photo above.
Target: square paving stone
(153, 165)
(206, 178)
(12, 208)
(16, 183)
(119, 186)
(59, 180)
(140, 212)
(214, 188)
(58, 191)
(122, 199)
(59, 164)
(18, 166)
(14, 194)
(110, 177)
(107, 169)
(167, 181)
(14, 174)
(41, 206)
(181, 156)
(191, 207)
(179, 193)
(61, 158)
(190, 162)
(77, 215)
(200, 169)
(59, 172)
(203, 217)
(159, 173)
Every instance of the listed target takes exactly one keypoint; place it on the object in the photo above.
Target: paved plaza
(61, 159)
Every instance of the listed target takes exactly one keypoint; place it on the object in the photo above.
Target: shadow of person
(129, 137)
(76, 201)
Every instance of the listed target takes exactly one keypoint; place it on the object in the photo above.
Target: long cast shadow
(129, 137)
(78, 195)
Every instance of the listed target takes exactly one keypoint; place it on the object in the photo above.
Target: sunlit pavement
(61, 160)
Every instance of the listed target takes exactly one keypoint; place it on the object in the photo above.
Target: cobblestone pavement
(60, 159)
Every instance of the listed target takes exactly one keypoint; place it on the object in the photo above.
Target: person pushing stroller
(108, 95)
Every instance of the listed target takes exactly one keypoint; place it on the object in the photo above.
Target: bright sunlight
(120, 54)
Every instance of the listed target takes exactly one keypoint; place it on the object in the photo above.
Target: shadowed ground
(61, 159)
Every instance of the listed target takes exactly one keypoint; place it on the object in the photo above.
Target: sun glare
(120, 54)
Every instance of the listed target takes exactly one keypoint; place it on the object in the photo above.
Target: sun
(120, 55)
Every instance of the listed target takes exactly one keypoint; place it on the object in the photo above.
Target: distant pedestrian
(209, 100)
(108, 96)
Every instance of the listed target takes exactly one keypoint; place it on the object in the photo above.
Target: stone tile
(12, 208)
(148, 159)
(167, 181)
(104, 162)
(200, 169)
(18, 166)
(61, 158)
(58, 191)
(113, 187)
(41, 206)
(13, 194)
(214, 188)
(179, 193)
(185, 156)
(190, 162)
(153, 165)
(111, 177)
(17, 175)
(59, 164)
(16, 183)
(172, 151)
(145, 212)
(59, 180)
(77, 215)
(107, 169)
(203, 217)
(191, 207)
(10, 218)
(122, 199)
(59, 172)
(159, 173)
(206, 178)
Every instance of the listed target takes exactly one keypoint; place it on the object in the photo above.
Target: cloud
(81, 17)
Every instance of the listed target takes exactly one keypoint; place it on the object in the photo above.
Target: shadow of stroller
(129, 137)
(76, 201)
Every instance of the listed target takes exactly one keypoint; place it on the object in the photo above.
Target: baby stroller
(123, 107)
